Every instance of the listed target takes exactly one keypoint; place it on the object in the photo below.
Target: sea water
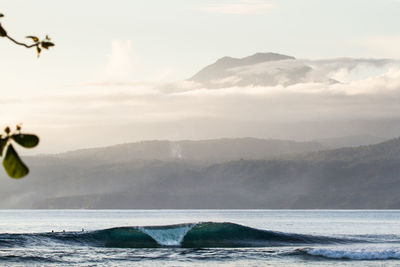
(200, 237)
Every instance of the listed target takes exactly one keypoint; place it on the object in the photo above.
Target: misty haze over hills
(325, 105)
(261, 69)
(264, 95)
(202, 151)
(247, 173)
(349, 141)
(272, 69)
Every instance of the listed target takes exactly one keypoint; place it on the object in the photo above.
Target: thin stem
(22, 44)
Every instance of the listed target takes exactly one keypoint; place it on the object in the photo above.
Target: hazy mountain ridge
(273, 69)
(208, 151)
(385, 151)
(349, 141)
(260, 69)
(221, 67)
(357, 177)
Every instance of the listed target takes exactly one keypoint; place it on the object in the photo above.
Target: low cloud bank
(363, 90)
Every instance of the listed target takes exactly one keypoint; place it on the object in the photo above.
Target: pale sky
(142, 44)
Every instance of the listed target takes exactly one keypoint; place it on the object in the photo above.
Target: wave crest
(200, 235)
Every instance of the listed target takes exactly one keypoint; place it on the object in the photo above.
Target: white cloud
(120, 65)
(127, 103)
(117, 102)
(253, 7)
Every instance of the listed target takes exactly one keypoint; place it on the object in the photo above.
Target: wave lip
(168, 235)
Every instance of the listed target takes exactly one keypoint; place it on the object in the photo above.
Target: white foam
(168, 236)
(357, 252)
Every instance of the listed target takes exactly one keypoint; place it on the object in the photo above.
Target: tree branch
(22, 44)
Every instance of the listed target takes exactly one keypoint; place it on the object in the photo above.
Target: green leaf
(26, 140)
(13, 165)
(34, 38)
(3, 143)
(3, 32)
(46, 45)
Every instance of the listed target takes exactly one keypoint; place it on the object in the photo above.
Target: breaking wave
(354, 252)
(200, 235)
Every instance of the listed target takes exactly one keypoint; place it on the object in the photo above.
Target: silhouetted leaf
(46, 45)
(3, 143)
(38, 50)
(3, 32)
(13, 165)
(34, 38)
(7, 130)
(26, 140)
(1, 15)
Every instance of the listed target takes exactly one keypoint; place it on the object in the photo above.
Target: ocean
(199, 238)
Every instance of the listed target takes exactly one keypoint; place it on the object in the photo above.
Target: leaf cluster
(37, 42)
(41, 44)
(12, 163)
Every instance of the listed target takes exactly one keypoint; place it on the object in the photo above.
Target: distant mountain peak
(250, 60)
(263, 57)
(259, 69)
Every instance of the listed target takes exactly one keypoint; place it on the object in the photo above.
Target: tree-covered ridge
(368, 179)
(388, 150)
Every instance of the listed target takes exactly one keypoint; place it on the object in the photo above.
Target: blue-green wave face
(201, 235)
(124, 237)
(234, 235)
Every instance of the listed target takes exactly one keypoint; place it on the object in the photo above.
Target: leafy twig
(39, 44)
